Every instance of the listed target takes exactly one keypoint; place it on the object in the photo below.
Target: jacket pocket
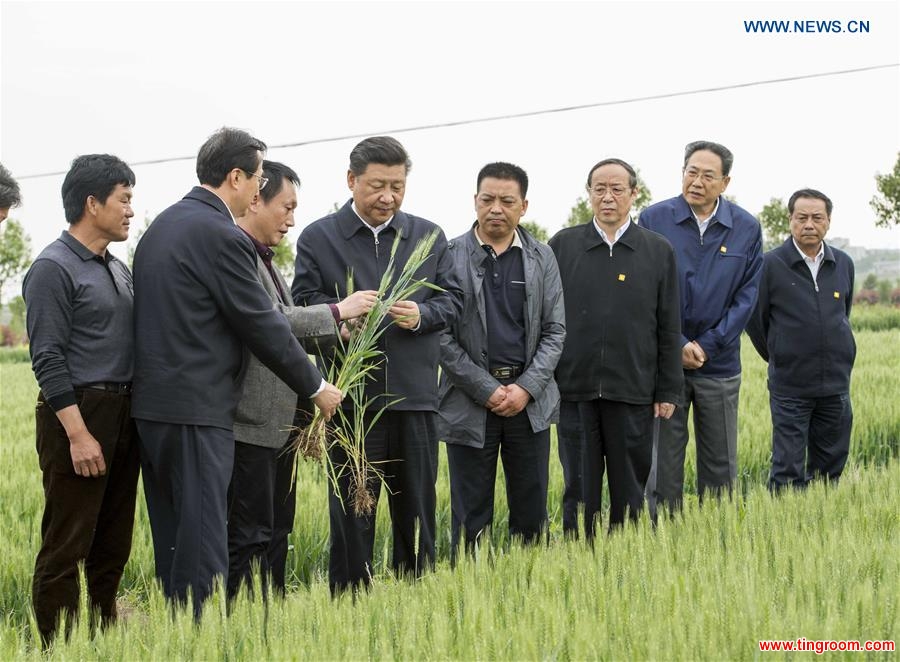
(544, 410)
(460, 419)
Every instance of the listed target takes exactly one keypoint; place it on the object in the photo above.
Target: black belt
(506, 371)
(110, 387)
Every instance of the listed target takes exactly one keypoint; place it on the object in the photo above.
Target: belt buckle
(503, 373)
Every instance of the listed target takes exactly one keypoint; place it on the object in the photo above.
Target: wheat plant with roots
(355, 361)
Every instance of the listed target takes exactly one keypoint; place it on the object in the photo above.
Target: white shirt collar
(704, 223)
(619, 232)
(811, 260)
(375, 230)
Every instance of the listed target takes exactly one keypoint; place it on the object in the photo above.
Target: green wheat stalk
(354, 364)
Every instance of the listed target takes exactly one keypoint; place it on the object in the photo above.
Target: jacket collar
(592, 239)
(211, 199)
(790, 250)
(723, 215)
(350, 223)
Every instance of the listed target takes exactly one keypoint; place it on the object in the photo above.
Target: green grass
(880, 317)
(707, 585)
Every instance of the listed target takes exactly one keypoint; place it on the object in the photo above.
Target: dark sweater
(802, 327)
(331, 245)
(623, 327)
(197, 303)
(79, 318)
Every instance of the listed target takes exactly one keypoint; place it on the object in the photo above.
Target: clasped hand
(508, 400)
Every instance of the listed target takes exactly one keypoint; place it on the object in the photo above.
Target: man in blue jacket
(718, 249)
(801, 326)
(498, 395)
(199, 307)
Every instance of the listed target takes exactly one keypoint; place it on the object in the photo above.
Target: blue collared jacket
(718, 277)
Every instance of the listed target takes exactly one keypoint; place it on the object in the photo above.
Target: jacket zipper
(384, 337)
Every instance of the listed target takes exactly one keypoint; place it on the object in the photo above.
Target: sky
(153, 80)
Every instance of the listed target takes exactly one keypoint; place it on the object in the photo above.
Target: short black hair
(10, 196)
(92, 175)
(719, 150)
(809, 193)
(379, 149)
(503, 170)
(225, 150)
(632, 173)
(276, 173)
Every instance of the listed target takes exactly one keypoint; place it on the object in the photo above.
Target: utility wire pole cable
(510, 116)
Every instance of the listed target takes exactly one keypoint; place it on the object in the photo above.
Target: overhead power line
(511, 116)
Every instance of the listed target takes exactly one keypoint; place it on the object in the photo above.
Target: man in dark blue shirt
(78, 303)
(498, 395)
(718, 250)
(801, 327)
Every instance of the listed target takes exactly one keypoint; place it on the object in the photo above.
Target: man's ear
(234, 177)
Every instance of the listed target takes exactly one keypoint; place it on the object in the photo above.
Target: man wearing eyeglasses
(198, 304)
(718, 247)
(621, 360)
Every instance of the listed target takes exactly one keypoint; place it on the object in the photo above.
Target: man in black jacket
(801, 326)
(198, 303)
(403, 442)
(622, 356)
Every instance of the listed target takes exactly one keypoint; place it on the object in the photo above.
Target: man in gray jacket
(262, 501)
(498, 396)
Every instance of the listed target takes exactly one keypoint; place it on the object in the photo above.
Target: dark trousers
(403, 446)
(473, 474)
(261, 507)
(187, 469)
(810, 438)
(715, 406)
(85, 519)
(620, 434)
(570, 446)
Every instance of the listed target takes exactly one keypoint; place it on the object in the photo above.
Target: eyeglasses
(706, 177)
(615, 191)
(262, 180)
